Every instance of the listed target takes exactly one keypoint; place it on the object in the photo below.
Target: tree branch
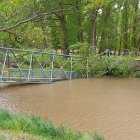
(31, 19)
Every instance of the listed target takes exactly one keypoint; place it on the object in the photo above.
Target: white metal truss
(30, 66)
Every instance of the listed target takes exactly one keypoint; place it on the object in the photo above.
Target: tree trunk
(125, 22)
(65, 36)
(105, 35)
(93, 36)
(64, 30)
(79, 22)
(135, 38)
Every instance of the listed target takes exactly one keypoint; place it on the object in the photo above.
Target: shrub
(121, 66)
(96, 66)
(99, 66)
(137, 74)
(115, 65)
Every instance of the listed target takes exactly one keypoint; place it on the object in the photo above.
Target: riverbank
(117, 66)
(2, 85)
(35, 128)
(9, 135)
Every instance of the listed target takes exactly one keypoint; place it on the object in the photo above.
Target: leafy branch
(32, 18)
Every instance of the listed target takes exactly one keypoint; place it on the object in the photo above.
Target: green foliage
(36, 126)
(80, 67)
(120, 66)
(94, 4)
(32, 24)
(99, 66)
(96, 66)
(96, 136)
(25, 23)
(33, 35)
(39, 127)
(137, 74)
(82, 49)
(2, 137)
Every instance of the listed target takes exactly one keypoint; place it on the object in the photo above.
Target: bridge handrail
(52, 53)
(40, 52)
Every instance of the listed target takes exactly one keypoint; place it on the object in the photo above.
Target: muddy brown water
(109, 105)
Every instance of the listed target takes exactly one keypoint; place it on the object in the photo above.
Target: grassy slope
(40, 128)
(9, 135)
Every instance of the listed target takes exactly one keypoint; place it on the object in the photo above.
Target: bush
(80, 67)
(137, 74)
(120, 66)
(99, 66)
(96, 66)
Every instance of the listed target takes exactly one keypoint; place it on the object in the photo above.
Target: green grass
(39, 127)
(2, 137)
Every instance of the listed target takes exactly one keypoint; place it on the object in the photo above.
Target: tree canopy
(70, 24)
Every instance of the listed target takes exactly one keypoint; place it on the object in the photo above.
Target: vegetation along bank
(31, 127)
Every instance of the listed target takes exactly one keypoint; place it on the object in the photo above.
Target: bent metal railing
(30, 66)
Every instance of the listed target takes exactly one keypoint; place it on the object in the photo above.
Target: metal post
(8, 63)
(87, 68)
(52, 66)
(4, 63)
(108, 53)
(30, 67)
(70, 67)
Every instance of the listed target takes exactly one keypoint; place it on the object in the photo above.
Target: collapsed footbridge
(34, 66)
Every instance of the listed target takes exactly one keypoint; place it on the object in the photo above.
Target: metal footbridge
(34, 66)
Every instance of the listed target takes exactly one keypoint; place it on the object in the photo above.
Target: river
(107, 105)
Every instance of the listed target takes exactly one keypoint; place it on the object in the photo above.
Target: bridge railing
(19, 65)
